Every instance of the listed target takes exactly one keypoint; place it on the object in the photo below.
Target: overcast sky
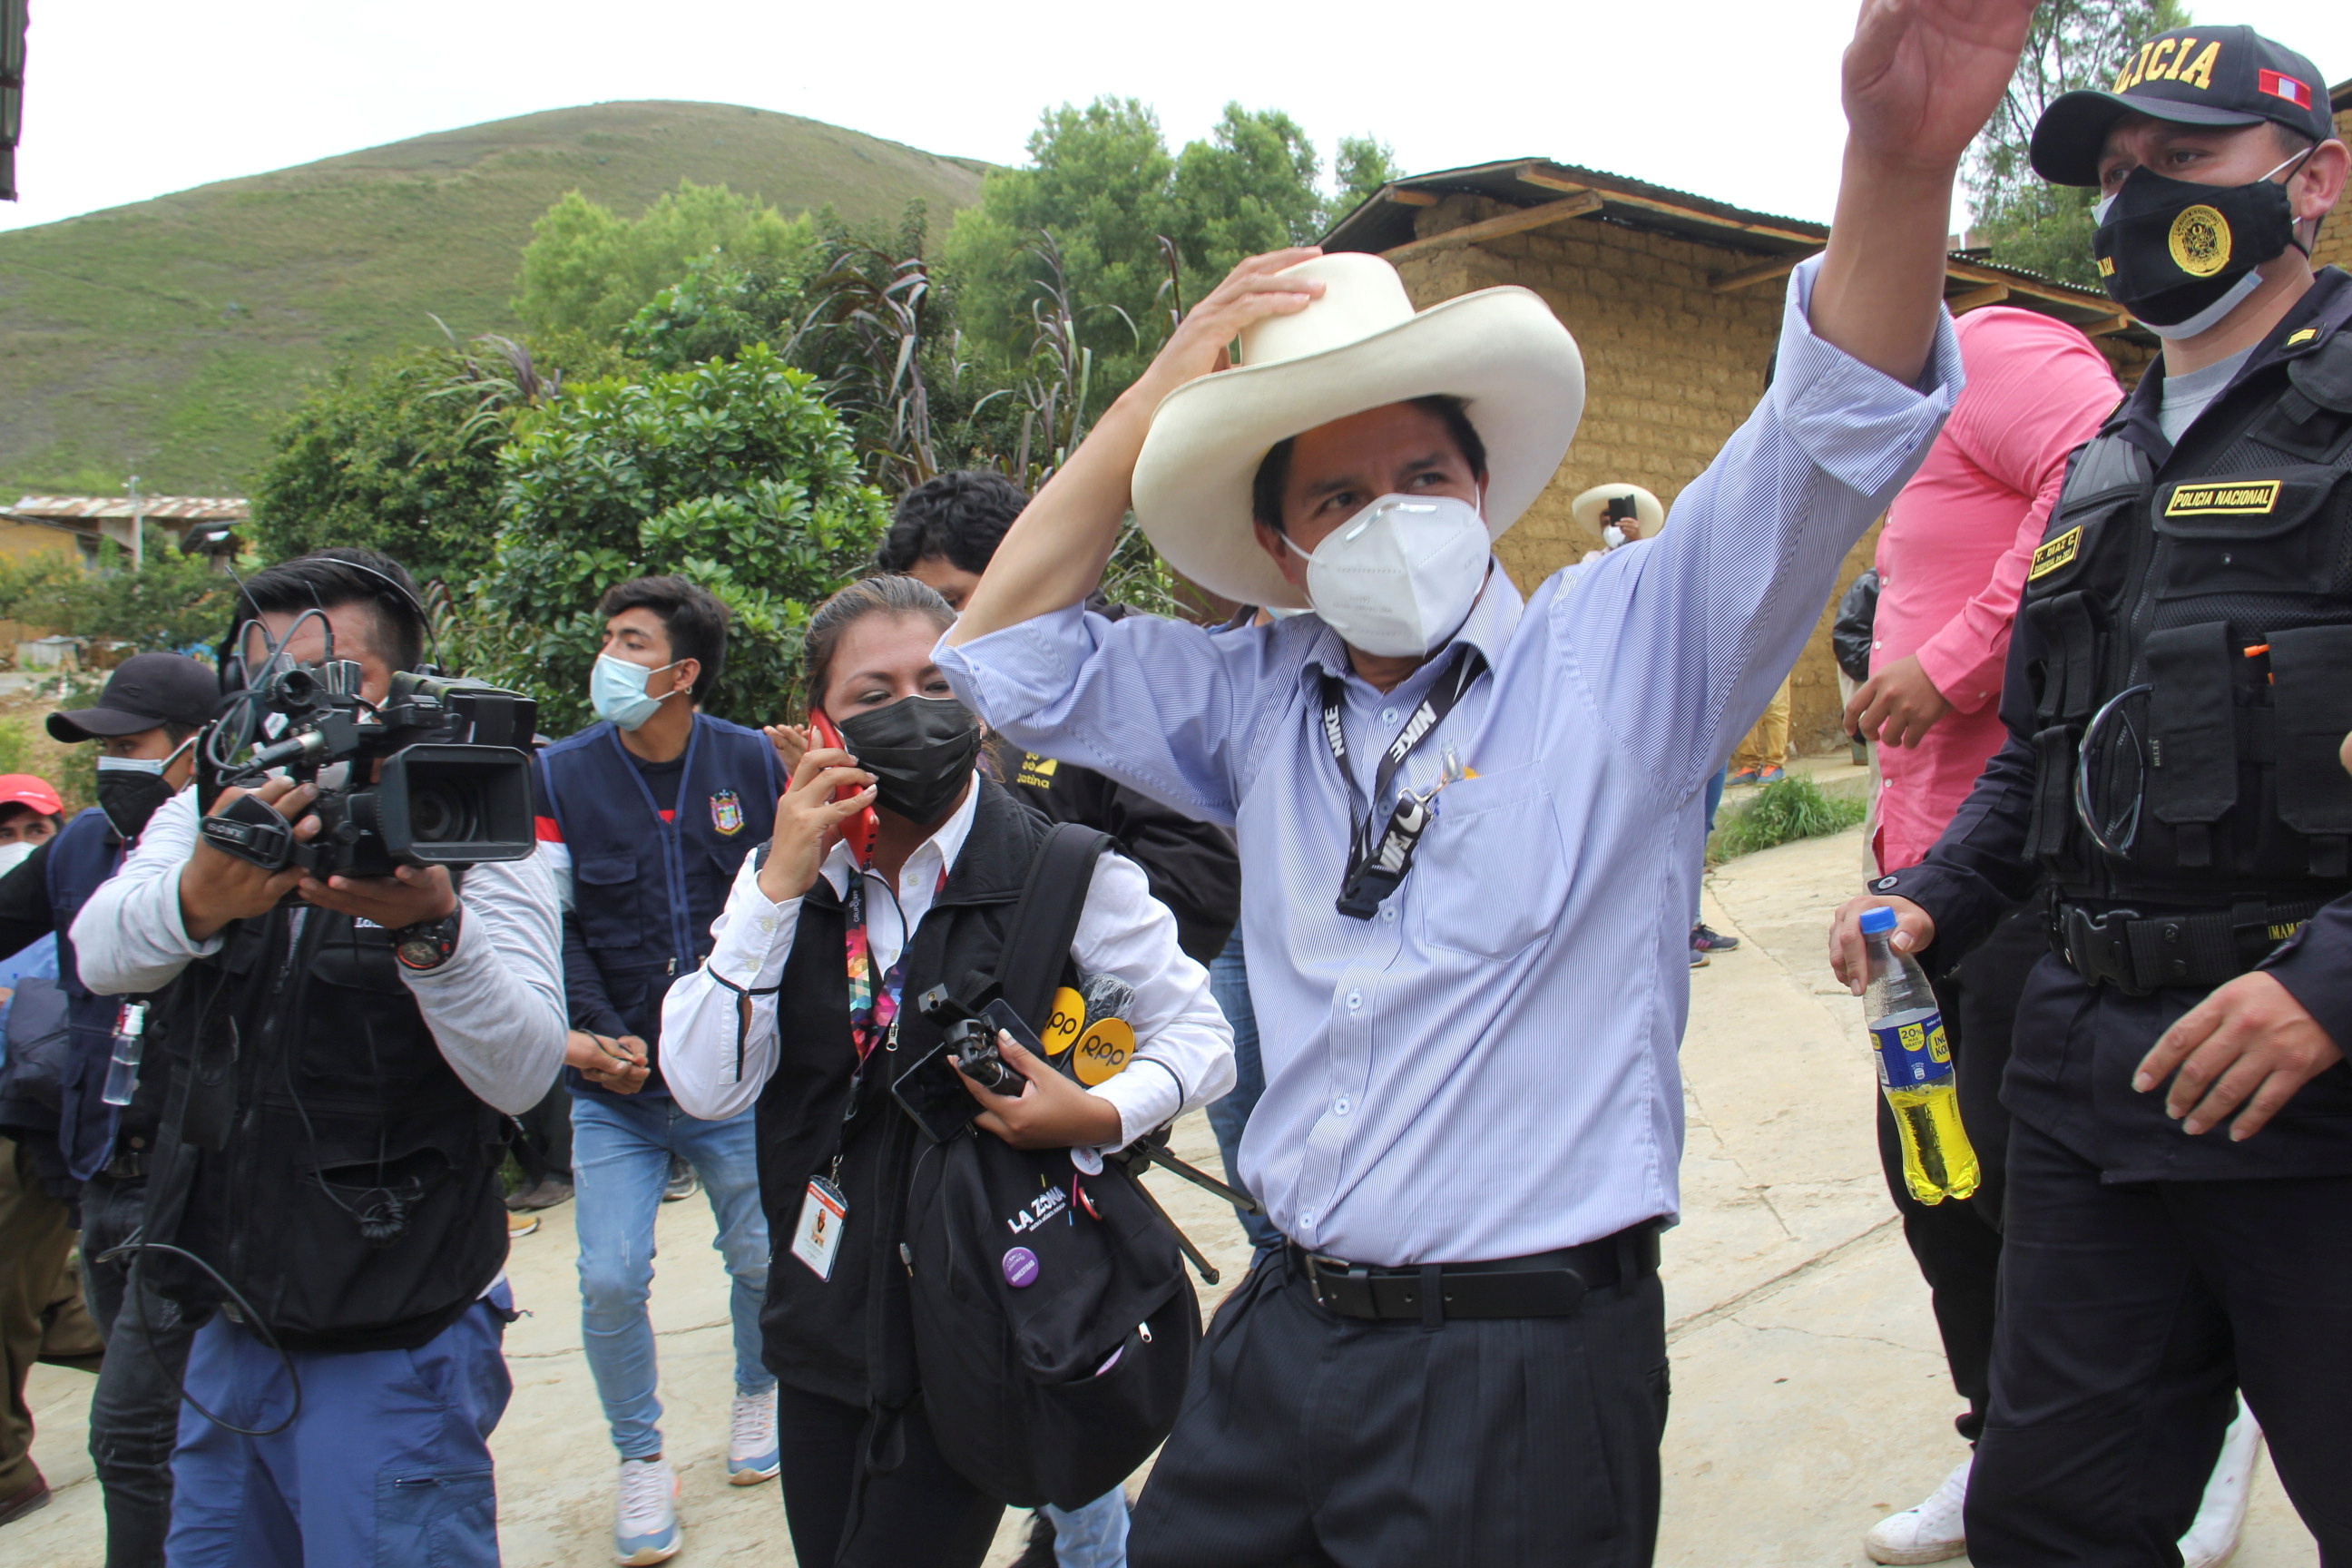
(131, 98)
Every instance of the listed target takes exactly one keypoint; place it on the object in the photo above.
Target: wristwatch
(427, 945)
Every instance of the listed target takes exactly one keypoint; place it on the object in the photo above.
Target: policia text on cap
(2179, 1210)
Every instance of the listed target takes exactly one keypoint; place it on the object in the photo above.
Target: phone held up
(858, 831)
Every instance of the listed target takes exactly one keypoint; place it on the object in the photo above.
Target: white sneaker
(646, 1529)
(2212, 1538)
(752, 1455)
(1928, 1534)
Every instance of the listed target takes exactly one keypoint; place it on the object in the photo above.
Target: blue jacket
(645, 890)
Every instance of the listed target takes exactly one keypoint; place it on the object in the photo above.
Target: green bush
(1781, 813)
(175, 602)
(734, 476)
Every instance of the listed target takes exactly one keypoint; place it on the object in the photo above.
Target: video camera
(437, 774)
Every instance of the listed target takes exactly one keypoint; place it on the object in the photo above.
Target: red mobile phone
(858, 831)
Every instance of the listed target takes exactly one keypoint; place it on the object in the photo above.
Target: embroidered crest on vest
(727, 813)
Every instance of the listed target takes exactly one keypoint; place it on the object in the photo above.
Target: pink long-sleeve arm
(2037, 390)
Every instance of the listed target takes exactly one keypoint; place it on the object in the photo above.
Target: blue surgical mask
(618, 690)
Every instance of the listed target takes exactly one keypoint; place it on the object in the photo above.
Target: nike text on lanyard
(1375, 868)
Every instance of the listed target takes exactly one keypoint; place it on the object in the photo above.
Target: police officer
(2180, 1213)
(649, 812)
(144, 723)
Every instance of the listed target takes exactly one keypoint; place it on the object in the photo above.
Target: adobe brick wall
(1671, 368)
(2335, 246)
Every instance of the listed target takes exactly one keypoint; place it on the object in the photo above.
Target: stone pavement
(1810, 1395)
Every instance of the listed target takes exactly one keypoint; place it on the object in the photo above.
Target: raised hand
(1249, 293)
(1922, 76)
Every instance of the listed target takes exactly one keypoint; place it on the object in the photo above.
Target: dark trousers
(36, 1235)
(1310, 1438)
(2129, 1312)
(923, 1514)
(134, 1416)
(1958, 1242)
(543, 1146)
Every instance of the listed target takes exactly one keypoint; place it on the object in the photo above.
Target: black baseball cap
(145, 691)
(2189, 76)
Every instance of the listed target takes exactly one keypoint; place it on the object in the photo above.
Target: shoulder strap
(1045, 920)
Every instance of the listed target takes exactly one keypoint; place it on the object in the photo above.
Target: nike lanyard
(1376, 867)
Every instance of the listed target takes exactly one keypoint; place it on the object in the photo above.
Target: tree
(1249, 188)
(399, 455)
(2071, 44)
(589, 270)
(1364, 164)
(176, 601)
(733, 475)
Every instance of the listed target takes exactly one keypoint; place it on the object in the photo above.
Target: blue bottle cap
(1877, 920)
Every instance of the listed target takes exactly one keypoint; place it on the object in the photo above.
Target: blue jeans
(387, 1461)
(1229, 983)
(1094, 1536)
(621, 1151)
(1713, 799)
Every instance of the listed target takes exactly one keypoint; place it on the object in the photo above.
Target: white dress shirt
(1184, 1049)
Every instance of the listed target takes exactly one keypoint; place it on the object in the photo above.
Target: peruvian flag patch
(2284, 87)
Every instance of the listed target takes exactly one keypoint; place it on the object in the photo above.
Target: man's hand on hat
(217, 887)
(1922, 76)
(1250, 294)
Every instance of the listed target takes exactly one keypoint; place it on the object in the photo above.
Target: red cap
(24, 789)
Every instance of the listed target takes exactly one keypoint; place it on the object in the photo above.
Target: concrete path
(1809, 1394)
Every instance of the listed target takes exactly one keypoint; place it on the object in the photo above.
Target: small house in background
(38, 525)
(1675, 300)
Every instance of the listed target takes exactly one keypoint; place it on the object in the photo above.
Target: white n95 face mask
(1398, 577)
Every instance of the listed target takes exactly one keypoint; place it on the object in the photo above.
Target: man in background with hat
(2179, 1209)
(1480, 819)
(145, 723)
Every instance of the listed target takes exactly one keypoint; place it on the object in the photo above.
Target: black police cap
(2189, 76)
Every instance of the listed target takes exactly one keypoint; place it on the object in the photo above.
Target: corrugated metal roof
(154, 508)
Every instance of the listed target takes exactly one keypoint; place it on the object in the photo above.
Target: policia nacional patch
(2239, 498)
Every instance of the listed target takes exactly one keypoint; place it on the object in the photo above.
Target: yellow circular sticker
(1063, 1023)
(2200, 241)
(1105, 1051)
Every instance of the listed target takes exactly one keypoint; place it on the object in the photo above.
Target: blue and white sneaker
(646, 1529)
(752, 1456)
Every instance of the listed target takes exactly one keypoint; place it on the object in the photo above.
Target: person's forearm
(1881, 285)
(1055, 553)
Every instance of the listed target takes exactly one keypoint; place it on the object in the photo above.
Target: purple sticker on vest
(1020, 1268)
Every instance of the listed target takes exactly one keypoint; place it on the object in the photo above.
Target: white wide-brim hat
(1587, 508)
(1359, 346)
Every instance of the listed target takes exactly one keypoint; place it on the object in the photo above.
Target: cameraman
(339, 1049)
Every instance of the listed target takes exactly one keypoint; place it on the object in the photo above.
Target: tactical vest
(2193, 674)
(820, 1101)
(646, 891)
(318, 1153)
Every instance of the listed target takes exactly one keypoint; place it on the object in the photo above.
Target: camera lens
(438, 815)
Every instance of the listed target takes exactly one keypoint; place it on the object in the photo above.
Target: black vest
(2193, 616)
(819, 1102)
(317, 1149)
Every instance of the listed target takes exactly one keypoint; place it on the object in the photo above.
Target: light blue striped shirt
(1488, 1069)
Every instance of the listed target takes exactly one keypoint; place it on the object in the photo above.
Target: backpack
(1041, 1315)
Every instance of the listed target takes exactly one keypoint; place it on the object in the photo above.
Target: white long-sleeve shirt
(1184, 1051)
(495, 1007)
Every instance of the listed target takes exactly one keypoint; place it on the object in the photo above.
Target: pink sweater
(1952, 558)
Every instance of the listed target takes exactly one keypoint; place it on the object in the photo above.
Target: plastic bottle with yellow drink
(1914, 1068)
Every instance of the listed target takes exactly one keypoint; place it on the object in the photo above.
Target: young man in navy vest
(649, 813)
(145, 723)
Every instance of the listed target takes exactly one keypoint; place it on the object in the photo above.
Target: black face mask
(920, 751)
(128, 799)
(2168, 249)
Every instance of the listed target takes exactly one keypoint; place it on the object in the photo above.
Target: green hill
(167, 337)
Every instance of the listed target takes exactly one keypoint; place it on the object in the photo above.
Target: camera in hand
(437, 774)
(971, 1042)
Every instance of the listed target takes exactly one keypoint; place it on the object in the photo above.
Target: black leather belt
(2138, 953)
(1543, 1285)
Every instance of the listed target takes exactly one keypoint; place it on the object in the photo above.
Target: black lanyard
(1375, 868)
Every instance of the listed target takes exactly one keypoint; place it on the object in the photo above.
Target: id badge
(817, 1238)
